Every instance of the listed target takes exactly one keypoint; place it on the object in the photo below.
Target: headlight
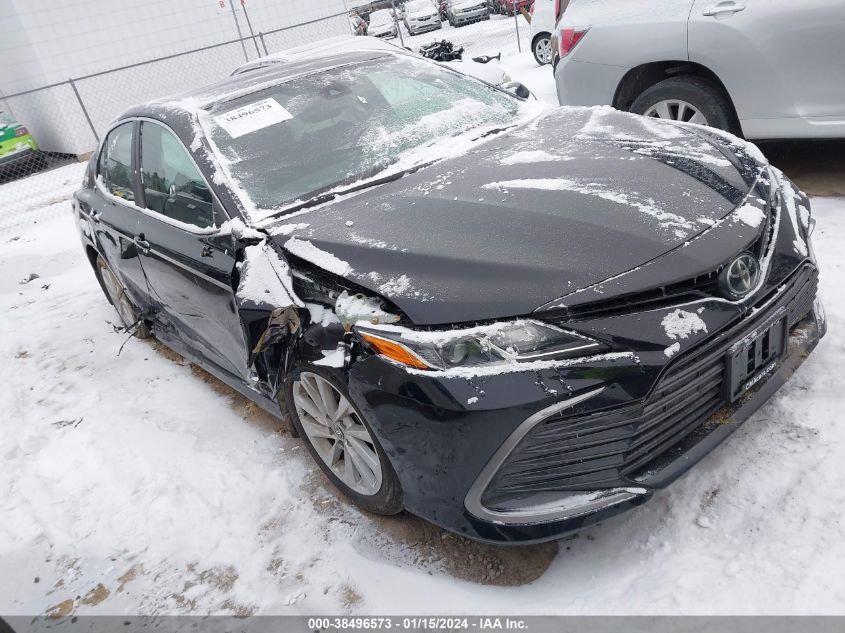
(512, 342)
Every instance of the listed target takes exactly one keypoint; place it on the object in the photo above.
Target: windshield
(313, 133)
(419, 6)
(381, 17)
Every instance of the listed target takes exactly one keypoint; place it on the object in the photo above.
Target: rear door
(112, 214)
(188, 262)
(782, 61)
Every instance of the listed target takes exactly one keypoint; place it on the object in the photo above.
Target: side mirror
(517, 89)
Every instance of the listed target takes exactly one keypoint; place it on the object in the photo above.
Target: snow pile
(265, 277)
(310, 253)
(749, 214)
(40, 195)
(673, 349)
(530, 156)
(351, 309)
(682, 324)
(241, 231)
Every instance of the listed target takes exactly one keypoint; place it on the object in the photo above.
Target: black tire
(541, 37)
(388, 500)
(702, 93)
(124, 307)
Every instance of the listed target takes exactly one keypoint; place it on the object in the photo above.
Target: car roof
(178, 111)
(321, 48)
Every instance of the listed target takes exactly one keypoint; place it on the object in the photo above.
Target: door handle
(722, 8)
(207, 251)
(142, 244)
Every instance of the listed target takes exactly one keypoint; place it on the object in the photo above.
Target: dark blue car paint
(471, 260)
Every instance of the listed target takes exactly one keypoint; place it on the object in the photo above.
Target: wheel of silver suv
(677, 110)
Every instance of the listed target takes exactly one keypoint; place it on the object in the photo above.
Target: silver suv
(766, 69)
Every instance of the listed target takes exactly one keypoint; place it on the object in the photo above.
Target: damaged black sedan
(510, 320)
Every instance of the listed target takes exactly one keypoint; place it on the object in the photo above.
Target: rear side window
(115, 165)
(172, 185)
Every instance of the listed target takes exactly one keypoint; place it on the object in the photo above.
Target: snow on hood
(485, 235)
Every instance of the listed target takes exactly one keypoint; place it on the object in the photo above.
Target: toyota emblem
(740, 276)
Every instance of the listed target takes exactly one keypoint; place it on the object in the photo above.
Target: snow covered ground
(134, 483)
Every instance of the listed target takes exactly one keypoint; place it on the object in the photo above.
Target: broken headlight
(512, 342)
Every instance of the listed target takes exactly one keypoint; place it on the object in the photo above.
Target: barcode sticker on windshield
(252, 117)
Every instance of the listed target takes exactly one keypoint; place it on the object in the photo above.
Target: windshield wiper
(495, 130)
(331, 195)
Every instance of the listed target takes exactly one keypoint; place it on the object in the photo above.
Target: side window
(172, 185)
(115, 164)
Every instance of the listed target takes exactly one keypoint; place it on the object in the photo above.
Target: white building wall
(48, 41)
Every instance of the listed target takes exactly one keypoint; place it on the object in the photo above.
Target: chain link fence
(47, 130)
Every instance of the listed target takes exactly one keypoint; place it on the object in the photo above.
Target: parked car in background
(765, 70)
(421, 16)
(508, 7)
(544, 14)
(382, 24)
(461, 12)
(19, 155)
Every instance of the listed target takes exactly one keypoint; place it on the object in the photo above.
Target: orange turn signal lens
(394, 351)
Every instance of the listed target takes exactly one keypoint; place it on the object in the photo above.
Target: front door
(189, 264)
(112, 214)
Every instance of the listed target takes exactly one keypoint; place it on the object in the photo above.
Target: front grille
(609, 448)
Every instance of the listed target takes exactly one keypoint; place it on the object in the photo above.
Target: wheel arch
(538, 36)
(642, 77)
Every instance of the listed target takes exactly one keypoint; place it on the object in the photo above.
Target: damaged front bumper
(463, 447)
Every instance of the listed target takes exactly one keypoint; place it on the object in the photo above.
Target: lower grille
(610, 448)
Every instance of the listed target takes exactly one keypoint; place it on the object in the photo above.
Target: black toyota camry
(513, 321)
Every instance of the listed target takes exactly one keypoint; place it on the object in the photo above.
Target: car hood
(467, 4)
(573, 198)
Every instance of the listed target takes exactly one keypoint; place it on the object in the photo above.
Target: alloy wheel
(337, 433)
(676, 110)
(543, 50)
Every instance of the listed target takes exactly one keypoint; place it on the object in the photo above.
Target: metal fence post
(263, 43)
(396, 23)
(516, 23)
(84, 110)
(249, 24)
(238, 26)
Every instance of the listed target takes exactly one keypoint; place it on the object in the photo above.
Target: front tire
(341, 441)
(689, 99)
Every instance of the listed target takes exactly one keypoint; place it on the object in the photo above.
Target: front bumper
(450, 438)
(471, 16)
(424, 26)
(382, 32)
(25, 156)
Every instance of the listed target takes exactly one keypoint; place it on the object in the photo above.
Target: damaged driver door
(188, 260)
